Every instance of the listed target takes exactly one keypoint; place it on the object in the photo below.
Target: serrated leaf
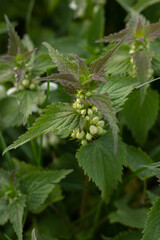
(101, 165)
(15, 45)
(121, 62)
(6, 74)
(139, 31)
(37, 185)
(82, 67)
(129, 235)
(152, 225)
(98, 66)
(115, 37)
(152, 31)
(15, 211)
(136, 158)
(143, 63)
(104, 104)
(27, 99)
(131, 217)
(57, 116)
(63, 63)
(140, 118)
(118, 88)
(68, 80)
(4, 216)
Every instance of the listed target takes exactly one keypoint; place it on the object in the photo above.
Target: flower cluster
(27, 83)
(93, 124)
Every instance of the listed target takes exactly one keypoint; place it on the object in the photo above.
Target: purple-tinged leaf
(98, 66)
(15, 45)
(139, 31)
(82, 68)
(69, 81)
(7, 59)
(115, 37)
(20, 72)
(28, 54)
(142, 62)
(152, 31)
(64, 65)
(104, 104)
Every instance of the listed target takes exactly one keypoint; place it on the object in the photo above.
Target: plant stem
(7, 155)
(47, 94)
(84, 197)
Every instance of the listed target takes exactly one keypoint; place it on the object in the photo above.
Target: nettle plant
(91, 119)
(18, 69)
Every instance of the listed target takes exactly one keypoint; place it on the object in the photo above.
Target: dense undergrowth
(79, 108)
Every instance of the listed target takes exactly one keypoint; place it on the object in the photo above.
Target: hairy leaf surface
(37, 185)
(101, 165)
(152, 225)
(136, 158)
(139, 118)
(63, 63)
(57, 116)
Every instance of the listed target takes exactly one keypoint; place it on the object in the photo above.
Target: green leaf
(152, 31)
(121, 62)
(68, 80)
(152, 225)
(27, 99)
(101, 165)
(115, 37)
(15, 45)
(63, 63)
(118, 87)
(131, 217)
(129, 235)
(104, 104)
(37, 186)
(10, 115)
(57, 116)
(98, 66)
(136, 158)
(140, 118)
(4, 216)
(6, 74)
(15, 211)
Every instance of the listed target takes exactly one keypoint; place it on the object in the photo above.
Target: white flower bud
(80, 135)
(87, 118)
(90, 112)
(93, 130)
(78, 100)
(25, 82)
(88, 136)
(83, 112)
(84, 142)
(95, 120)
(32, 86)
(94, 109)
(74, 105)
(100, 124)
(99, 130)
(104, 132)
(79, 106)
